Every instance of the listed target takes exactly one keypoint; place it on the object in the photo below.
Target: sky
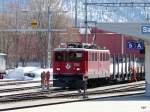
(6, 4)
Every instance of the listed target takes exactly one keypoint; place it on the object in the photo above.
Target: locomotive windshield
(59, 56)
(74, 56)
(68, 56)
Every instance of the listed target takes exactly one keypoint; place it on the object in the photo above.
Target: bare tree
(59, 20)
(25, 46)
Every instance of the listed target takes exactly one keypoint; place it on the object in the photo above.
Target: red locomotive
(77, 62)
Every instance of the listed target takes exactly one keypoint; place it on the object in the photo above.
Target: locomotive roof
(80, 49)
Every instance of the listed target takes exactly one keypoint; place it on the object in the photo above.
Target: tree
(27, 46)
(59, 20)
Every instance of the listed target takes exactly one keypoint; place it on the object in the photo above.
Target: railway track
(30, 95)
(16, 82)
(117, 90)
(58, 93)
(58, 96)
(12, 88)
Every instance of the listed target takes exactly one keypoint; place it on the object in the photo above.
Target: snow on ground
(26, 73)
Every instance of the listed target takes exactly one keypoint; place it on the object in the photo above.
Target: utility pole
(17, 35)
(49, 50)
(76, 13)
(86, 24)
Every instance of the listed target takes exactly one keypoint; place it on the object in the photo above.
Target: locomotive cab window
(59, 56)
(75, 56)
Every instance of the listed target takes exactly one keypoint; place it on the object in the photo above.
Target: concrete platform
(141, 97)
(134, 103)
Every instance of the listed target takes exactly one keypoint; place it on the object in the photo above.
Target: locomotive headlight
(58, 69)
(78, 69)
